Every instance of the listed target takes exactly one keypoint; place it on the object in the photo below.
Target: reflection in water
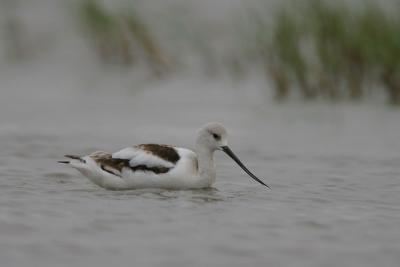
(336, 200)
(198, 195)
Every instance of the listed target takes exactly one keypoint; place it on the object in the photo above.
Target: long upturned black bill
(230, 153)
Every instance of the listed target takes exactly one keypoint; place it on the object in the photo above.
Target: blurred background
(309, 91)
(347, 50)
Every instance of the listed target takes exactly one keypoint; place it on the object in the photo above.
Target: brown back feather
(108, 164)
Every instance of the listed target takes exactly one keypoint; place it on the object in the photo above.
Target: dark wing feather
(149, 157)
(146, 157)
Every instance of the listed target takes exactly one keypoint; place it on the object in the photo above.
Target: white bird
(159, 166)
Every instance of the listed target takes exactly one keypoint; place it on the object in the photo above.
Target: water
(334, 172)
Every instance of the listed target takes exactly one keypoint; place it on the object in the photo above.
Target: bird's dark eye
(216, 136)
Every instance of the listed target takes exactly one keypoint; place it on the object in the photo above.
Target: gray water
(334, 172)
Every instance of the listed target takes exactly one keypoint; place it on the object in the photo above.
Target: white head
(82, 164)
(213, 136)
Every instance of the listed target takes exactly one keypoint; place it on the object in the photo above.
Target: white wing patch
(188, 163)
(137, 156)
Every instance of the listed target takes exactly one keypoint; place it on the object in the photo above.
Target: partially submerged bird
(159, 166)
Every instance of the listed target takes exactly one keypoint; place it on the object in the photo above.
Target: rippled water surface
(334, 173)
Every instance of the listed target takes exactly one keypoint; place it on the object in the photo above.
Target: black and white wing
(149, 157)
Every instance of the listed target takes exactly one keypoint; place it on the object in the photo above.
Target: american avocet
(159, 166)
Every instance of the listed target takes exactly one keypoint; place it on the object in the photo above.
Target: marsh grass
(316, 49)
(13, 31)
(121, 37)
(329, 50)
(287, 62)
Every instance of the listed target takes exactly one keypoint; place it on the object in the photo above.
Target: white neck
(206, 163)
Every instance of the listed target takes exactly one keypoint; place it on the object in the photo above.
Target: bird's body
(135, 168)
(158, 166)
